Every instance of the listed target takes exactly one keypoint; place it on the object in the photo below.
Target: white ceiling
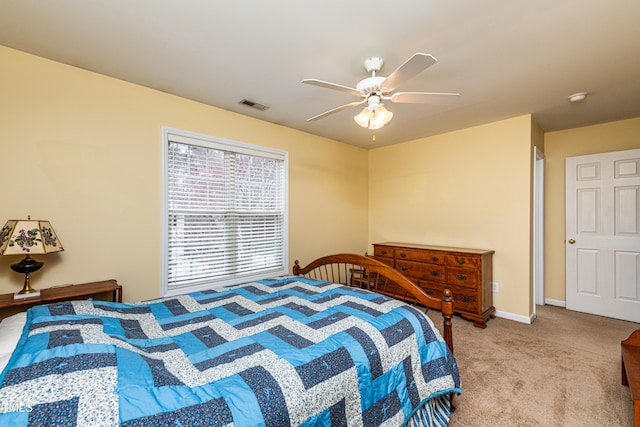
(505, 58)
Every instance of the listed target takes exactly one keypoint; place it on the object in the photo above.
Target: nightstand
(66, 292)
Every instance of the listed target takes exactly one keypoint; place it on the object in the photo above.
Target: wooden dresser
(466, 272)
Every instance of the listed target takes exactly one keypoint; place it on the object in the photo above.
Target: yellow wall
(83, 151)
(469, 188)
(615, 136)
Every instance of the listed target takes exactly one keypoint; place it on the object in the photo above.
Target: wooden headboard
(368, 273)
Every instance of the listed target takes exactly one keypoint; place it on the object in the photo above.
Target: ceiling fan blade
(424, 98)
(414, 65)
(334, 86)
(335, 110)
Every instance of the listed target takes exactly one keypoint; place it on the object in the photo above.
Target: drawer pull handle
(383, 252)
(403, 255)
(460, 261)
(465, 298)
(434, 273)
(461, 277)
(434, 258)
(428, 291)
(403, 268)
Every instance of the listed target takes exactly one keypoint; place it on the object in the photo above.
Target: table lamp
(30, 237)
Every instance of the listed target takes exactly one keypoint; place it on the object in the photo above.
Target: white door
(603, 234)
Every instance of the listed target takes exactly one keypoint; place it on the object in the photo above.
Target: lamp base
(27, 289)
(27, 265)
(18, 296)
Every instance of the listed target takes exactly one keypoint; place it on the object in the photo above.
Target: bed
(321, 347)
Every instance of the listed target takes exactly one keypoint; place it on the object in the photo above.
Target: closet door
(603, 234)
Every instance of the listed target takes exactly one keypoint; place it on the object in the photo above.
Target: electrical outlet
(495, 287)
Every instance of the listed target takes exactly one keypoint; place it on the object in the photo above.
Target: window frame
(192, 138)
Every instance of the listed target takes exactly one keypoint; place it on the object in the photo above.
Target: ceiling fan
(373, 90)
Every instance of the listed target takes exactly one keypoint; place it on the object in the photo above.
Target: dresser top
(436, 248)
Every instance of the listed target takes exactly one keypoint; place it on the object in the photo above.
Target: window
(225, 216)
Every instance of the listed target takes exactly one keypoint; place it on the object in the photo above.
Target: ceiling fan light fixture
(381, 116)
(364, 117)
(375, 119)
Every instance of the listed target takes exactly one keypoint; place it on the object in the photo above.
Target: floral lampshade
(28, 237)
(21, 237)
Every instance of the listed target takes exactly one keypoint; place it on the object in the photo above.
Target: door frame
(538, 228)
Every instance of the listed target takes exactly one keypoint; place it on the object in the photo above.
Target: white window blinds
(225, 213)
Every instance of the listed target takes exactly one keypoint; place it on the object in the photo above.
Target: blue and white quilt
(289, 351)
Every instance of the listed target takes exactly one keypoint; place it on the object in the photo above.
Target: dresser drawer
(420, 256)
(433, 289)
(421, 270)
(384, 260)
(464, 261)
(383, 251)
(462, 277)
(464, 299)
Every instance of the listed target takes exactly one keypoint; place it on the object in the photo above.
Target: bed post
(447, 314)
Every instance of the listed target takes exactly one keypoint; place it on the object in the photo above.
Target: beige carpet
(562, 370)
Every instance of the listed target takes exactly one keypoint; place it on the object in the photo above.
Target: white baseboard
(515, 317)
(555, 302)
(524, 319)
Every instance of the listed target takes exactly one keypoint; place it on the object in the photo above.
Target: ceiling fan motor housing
(371, 85)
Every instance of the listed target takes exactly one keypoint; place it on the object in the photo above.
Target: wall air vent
(253, 105)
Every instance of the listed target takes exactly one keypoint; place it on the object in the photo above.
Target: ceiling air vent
(253, 105)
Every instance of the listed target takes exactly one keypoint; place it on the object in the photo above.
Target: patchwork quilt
(288, 351)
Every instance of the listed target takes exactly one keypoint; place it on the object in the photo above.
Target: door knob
(571, 241)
